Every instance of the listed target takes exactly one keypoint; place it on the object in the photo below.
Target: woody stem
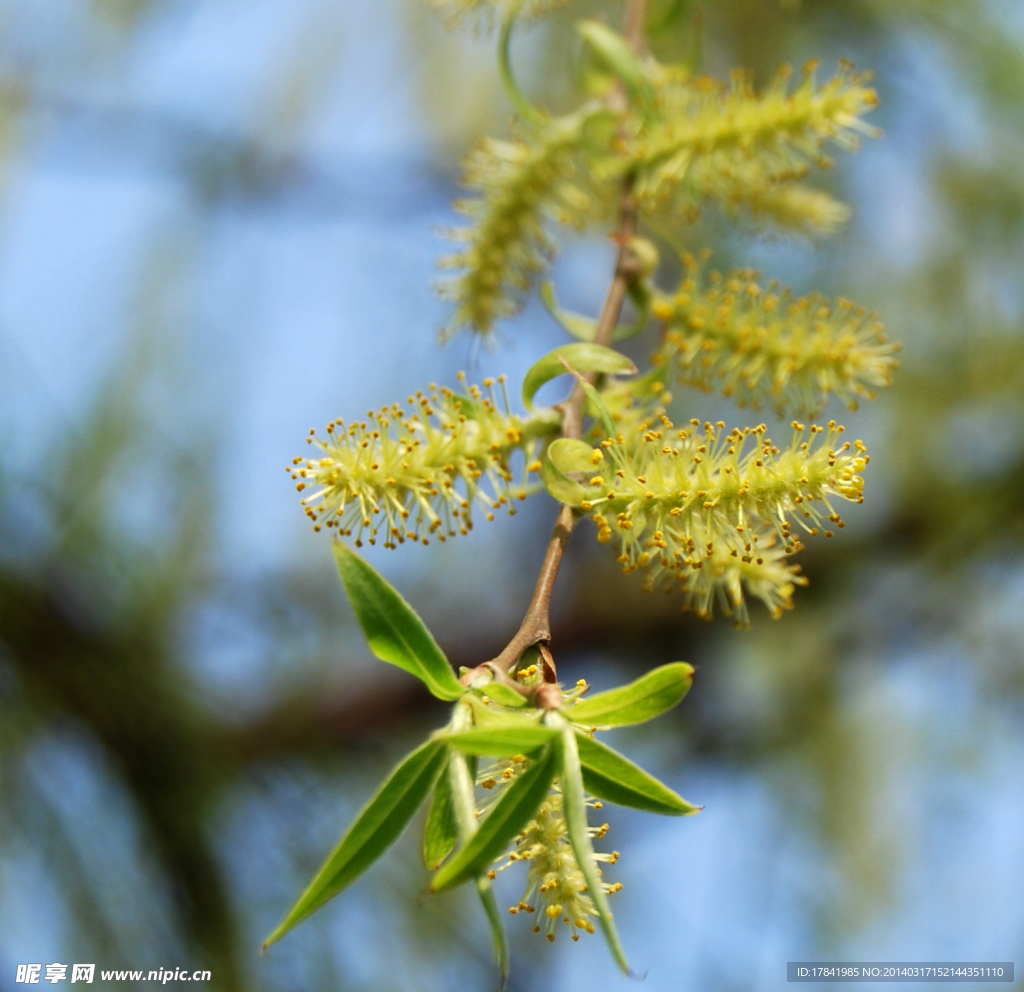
(536, 625)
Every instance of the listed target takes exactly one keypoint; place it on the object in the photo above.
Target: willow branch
(536, 625)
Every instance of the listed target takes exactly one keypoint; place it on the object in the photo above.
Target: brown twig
(497, 672)
(536, 625)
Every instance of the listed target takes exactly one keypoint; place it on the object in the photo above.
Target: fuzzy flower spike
(519, 186)
(764, 346)
(713, 510)
(554, 880)
(704, 128)
(416, 474)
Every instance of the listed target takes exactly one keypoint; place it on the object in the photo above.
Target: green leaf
(374, 830)
(542, 423)
(460, 781)
(523, 107)
(564, 456)
(503, 695)
(584, 356)
(569, 455)
(576, 324)
(497, 924)
(649, 696)
(442, 830)
(510, 814)
(598, 404)
(616, 54)
(392, 627)
(487, 715)
(501, 741)
(559, 485)
(574, 808)
(585, 328)
(609, 775)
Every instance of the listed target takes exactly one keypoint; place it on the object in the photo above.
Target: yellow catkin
(711, 511)
(791, 206)
(520, 185)
(762, 346)
(731, 144)
(416, 473)
(555, 886)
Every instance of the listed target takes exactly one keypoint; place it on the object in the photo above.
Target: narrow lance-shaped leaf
(502, 741)
(585, 356)
(441, 830)
(510, 814)
(526, 110)
(584, 328)
(392, 627)
(574, 808)
(649, 696)
(609, 775)
(375, 829)
(460, 782)
(497, 925)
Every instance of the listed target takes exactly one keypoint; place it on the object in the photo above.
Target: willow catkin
(711, 512)
(418, 472)
(764, 346)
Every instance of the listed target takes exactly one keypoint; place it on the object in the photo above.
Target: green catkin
(699, 511)
(762, 346)
(520, 184)
(792, 207)
(555, 886)
(416, 473)
(730, 144)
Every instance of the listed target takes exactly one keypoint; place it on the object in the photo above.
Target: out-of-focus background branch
(217, 231)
